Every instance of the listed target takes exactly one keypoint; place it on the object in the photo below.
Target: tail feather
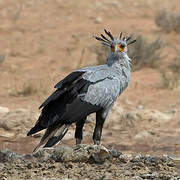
(57, 136)
(38, 127)
(50, 132)
(35, 129)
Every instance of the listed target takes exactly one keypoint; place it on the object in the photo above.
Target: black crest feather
(132, 42)
(105, 38)
(109, 34)
(120, 36)
(100, 39)
(107, 42)
(128, 38)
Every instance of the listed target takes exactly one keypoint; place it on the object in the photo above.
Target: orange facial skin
(117, 47)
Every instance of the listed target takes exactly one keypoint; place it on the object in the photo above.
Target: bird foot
(78, 141)
(96, 142)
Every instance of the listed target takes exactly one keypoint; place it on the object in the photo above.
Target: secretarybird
(88, 90)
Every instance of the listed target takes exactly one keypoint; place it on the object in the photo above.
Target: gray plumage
(88, 90)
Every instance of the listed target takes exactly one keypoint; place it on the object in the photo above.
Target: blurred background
(41, 41)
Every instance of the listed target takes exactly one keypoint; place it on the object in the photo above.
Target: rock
(115, 152)
(3, 110)
(98, 153)
(136, 178)
(126, 166)
(124, 158)
(98, 20)
(44, 178)
(44, 154)
(62, 153)
(79, 153)
(17, 122)
(8, 156)
(175, 159)
(150, 176)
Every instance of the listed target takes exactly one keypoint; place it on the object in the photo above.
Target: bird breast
(102, 93)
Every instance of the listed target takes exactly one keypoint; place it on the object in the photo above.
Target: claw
(96, 142)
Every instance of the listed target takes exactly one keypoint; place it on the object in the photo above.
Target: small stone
(44, 154)
(99, 153)
(62, 153)
(98, 20)
(115, 153)
(53, 179)
(4, 110)
(136, 178)
(28, 156)
(140, 107)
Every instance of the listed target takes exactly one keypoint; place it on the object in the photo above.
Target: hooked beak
(116, 49)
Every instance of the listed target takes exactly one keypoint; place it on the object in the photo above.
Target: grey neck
(116, 60)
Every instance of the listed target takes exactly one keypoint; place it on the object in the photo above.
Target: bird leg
(79, 130)
(100, 118)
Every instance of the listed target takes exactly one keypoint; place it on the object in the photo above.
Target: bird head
(117, 46)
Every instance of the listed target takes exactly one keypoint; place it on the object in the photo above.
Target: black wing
(55, 105)
(65, 85)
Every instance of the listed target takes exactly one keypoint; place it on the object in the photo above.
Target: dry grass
(28, 89)
(168, 21)
(171, 78)
(145, 53)
(101, 52)
(3, 56)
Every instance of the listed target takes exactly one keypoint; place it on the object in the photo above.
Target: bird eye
(121, 47)
(117, 48)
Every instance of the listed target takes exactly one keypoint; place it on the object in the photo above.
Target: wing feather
(69, 79)
(63, 86)
(76, 80)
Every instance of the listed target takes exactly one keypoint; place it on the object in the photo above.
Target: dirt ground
(43, 40)
(88, 162)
